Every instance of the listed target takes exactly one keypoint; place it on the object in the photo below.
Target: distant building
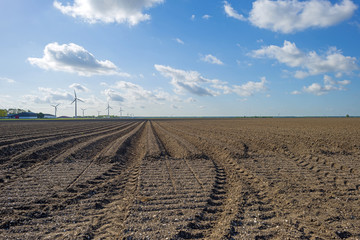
(49, 116)
(23, 115)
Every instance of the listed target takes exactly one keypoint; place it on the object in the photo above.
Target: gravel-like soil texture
(291, 178)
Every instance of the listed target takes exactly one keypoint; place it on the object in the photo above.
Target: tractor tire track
(176, 196)
(257, 215)
(295, 208)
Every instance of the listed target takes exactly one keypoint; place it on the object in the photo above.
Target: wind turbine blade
(73, 101)
(75, 93)
(80, 100)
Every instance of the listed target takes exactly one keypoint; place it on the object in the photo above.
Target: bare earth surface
(180, 179)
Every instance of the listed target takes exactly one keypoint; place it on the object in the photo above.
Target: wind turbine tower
(83, 110)
(76, 99)
(121, 112)
(108, 109)
(55, 106)
(99, 113)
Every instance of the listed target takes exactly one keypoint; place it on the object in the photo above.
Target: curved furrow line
(259, 214)
(299, 205)
(307, 210)
(202, 226)
(335, 174)
(111, 224)
(328, 182)
(173, 190)
(109, 153)
(184, 149)
(76, 151)
(35, 154)
(73, 169)
(256, 218)
(82, 209)
(113, 150)
(62, 150)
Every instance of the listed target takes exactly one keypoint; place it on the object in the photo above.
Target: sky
(181, 58)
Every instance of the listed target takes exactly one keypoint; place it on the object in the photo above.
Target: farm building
(23, 115)
(49, 116)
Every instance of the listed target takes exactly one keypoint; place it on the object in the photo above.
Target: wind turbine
(76, 99)
(55, 106)
(121, 112)
(83, 110)
(108, 108)
(99, 113)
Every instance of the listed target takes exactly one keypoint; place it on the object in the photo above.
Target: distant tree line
(5, 112)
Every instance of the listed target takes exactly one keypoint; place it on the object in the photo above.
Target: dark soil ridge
(90, 196)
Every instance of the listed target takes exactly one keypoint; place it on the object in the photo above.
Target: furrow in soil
(174, 195)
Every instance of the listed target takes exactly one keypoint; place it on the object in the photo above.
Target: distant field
(248, 178)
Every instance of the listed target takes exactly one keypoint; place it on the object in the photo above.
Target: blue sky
(181, 58)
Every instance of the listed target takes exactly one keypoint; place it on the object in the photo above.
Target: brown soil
(180, 179)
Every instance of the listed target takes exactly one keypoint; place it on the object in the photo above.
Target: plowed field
(180, 179)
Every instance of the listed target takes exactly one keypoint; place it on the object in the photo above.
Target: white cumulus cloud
(315, 89)
(329, 85)
(112, 95)
(314, 64)
(230, 11)
(49, 96)
(74, 59)
(133, 93)
(193, 82)
(288, 16)
(79, 87)
(249, 88)
(212, 59)
(244, 90)
(187, 81)
(109, 11)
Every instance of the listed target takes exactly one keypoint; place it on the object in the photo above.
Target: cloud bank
(194, 83)
(49, 96)
(73, 58)
(314, 64)
(79, 87)
(329, 84)
(288, 16)
(114, 11)
(186, 81)
(245, 90)
(123, 91)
